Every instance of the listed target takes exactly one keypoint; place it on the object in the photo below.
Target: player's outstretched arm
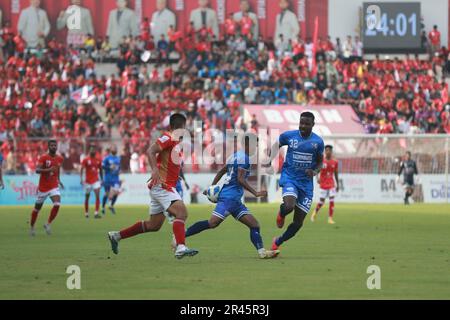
(59, 179)
(336, 176)
(219, 175)
(81, 174)
(243, 182)
(274, 150)
(101, 173)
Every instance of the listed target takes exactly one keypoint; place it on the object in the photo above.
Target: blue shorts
(304, 198)
(226, 207)
(108, 185)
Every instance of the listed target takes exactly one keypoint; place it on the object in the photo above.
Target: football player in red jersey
(49, 184)
(93, 167)
(165, 160)
(328, 186)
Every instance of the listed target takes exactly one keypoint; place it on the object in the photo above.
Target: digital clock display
(391, 26)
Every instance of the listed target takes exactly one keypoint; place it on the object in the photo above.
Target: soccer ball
(213, 193)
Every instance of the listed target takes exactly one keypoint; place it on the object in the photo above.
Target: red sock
(135, 229)
(53, 213)
(86, 205)
(97, 204)
(34, 215)
(331, 209)
(179, 231)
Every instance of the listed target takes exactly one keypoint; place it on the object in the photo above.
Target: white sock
(181, 247)
(261, 251)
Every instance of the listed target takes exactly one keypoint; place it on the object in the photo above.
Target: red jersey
(435, 37)
(49, 180)
(327, 174)
(169, 161)
(92, 166)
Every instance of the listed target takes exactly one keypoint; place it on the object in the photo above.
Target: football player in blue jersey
(111, 184)
(304, 160)
(229, 201)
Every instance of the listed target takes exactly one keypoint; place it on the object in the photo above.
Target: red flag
(315, 36)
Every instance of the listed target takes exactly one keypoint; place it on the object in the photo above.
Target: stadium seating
(41, 92)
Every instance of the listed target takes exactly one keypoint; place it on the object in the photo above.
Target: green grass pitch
(409, 244)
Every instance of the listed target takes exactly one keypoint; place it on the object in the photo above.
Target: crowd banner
(376, 188)
(266, 11)
(354, 188)
(330, 119)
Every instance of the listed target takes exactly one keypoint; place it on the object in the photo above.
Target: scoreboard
(391, 27)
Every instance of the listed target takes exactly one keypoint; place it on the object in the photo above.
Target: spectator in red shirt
(435, 39)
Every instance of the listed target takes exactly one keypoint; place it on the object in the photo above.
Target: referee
(409, 169)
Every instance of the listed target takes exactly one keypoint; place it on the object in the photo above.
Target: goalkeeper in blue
(304, 160)
(229, 201)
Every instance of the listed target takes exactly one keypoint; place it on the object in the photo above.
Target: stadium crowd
(43, 92)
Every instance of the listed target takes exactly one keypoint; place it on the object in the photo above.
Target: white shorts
(42, 196)
(89, 187)
(161, 199)
(327, 193)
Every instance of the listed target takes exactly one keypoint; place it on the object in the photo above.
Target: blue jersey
(231, 188)
(111, 168)
(302, 154)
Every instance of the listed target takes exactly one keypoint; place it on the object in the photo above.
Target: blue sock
(256, 239)
(197, 228)
(113, 201)
(104, 200)
(283, 211)
(291, 231)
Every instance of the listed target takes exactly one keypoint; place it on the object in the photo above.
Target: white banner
(261, 9)
(354, 188)
(374, 188)
(434, 190)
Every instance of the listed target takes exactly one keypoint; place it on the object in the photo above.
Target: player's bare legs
(179, 211)
(34, 216)
(154, 224)
(331, 211)
(105, 199)
(409, 192)
(86, 205)
(97, 203)
(318, 207)
(292, 229)
(53, 213)
(286, 208)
